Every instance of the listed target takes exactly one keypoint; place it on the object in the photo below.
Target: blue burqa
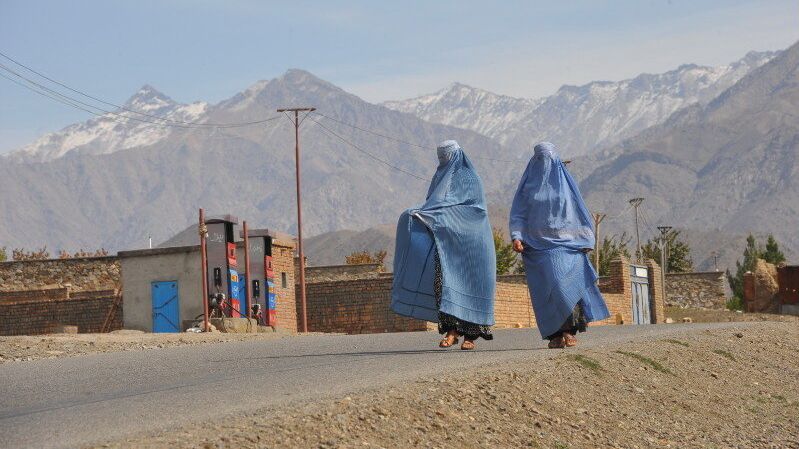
(550, 218)
(454, 221)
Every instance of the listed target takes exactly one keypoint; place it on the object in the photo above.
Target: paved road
(76, 401)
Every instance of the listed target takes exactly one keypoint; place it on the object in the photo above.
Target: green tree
(611, 248)
(772, 254)
(506, 257)
(751, 253)
(3, 254)
(679, 252)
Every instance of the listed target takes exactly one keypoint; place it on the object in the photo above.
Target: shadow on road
(384, 353)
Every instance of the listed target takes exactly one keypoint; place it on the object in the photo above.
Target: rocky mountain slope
(716, 171)
(116, 131)
(726, 167)
(116, 200)
(581, 119)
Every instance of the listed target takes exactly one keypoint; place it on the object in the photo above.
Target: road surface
(81, 400)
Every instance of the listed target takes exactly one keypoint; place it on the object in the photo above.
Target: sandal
(557, 343)
(448, 341)
(569, 340)
(467, 345)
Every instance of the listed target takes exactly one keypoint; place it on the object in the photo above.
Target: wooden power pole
(635, 202)
(597, 221)
(296, 122)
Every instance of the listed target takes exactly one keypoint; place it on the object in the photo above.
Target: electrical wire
(405, 142)
(328, 130)
(164, 119)
(119, 118)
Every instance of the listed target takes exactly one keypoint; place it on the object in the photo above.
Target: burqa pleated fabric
(454, 222)
(549, 216)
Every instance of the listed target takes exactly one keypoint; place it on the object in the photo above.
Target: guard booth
(262, 275)
(641, 305)
(223, 262)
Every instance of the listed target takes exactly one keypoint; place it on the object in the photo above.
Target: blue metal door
(640, 289)
(166, 314)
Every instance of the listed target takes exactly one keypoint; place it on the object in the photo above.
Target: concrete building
(162, 287)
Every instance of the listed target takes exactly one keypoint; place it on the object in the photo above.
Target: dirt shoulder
(730, 388)
(34, 347)
(723, 316)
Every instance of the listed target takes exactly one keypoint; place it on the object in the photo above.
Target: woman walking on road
(445, 264)
(553, 230)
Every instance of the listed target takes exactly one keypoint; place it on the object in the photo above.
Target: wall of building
(702, 289)
(34, 312)
(83, 274)
(141, 268)
(283, 266)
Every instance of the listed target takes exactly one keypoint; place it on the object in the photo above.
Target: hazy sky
(380, 50)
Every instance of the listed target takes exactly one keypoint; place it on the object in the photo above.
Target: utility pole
(202, 230)
(597, 221)
(296, 122)
(635, 202)
(247, 281)
(715, 260)
(664, 230)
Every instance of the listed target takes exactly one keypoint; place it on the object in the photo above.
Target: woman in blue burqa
(444, 264)
(553, 230)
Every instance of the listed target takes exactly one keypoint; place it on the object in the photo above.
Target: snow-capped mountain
(119, 130)
(468, 107)
(581, 118)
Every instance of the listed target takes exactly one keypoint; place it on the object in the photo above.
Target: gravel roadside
(730, 388)
(50, 346)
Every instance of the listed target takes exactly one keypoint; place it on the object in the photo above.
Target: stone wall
(33, 312)
(702, 289)
(83, 274)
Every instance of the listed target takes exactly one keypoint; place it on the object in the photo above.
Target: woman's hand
(517, 246)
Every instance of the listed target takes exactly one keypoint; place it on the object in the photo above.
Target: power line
(620, 214)
(174, 123)
(45, 94)
(328, 130)
(425, 147)
(405, 142)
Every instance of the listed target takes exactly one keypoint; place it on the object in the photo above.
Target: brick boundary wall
(700, 289)
(657, 300)
(25, 313)
(363, 305)
(83, 274)
(355, 307)
(617, 291)
(342, 272)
